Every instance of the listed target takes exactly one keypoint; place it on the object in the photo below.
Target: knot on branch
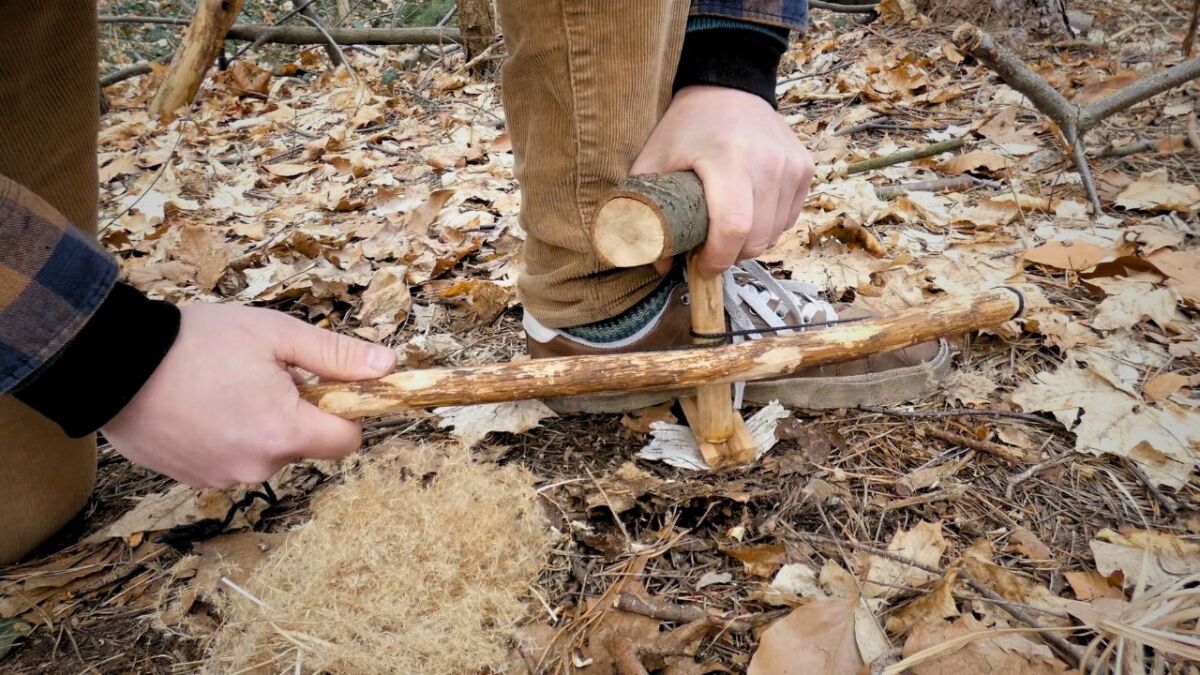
(967, 37)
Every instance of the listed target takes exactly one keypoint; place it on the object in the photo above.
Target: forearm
(730, 46)
(67, 328)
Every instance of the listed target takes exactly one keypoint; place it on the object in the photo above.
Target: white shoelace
(751, 291)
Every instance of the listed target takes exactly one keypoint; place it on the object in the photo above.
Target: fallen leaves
(1145, 558)
(1155, 192)
(923, 544)
(818, 637)
(980, 650)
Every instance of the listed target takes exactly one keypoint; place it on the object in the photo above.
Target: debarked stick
(768, 358)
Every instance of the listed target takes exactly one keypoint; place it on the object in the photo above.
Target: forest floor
(1046, 501)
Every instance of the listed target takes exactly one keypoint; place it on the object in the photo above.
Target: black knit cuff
(731, 57)
(87, 383)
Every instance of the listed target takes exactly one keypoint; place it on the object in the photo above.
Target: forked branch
(1074, 120)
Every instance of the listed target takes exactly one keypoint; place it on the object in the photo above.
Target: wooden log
(307, 35)
(201, 42)
(651, 217)
(771, 357)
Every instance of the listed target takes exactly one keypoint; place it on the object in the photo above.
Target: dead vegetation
(1039, 516)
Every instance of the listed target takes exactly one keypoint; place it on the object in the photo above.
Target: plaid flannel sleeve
(790, 14)
(53, 277)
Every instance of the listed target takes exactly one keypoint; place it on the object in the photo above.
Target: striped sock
(631, 320)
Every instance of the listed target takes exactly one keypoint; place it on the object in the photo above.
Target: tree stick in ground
(1073, 120)
(201, 42)
(670, 370)
(904, 156)
(331, 47)
(478, 29)
(307, 35)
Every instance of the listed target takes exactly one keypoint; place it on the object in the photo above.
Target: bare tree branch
(307, 35)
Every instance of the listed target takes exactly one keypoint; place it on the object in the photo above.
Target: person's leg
(584, 84)
(48, 121)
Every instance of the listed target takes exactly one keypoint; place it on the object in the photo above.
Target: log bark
(665, 370)
(201, 42)
(478, 28)
(307, 35)
(651, 217)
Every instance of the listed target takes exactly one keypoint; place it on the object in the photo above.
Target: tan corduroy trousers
(584, 84)
(48, 120)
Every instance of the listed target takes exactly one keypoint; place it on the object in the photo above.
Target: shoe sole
(898, 385)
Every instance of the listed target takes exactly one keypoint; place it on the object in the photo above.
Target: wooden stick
(307, 35)
(651, 217)
(201, 42)
(771, 357)
(904, 156)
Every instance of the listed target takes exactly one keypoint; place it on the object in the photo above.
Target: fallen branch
(905, 156)
(1074, 121)
(843, 8)
(122, 74)
(197, 49)
(307, 35)
(656, 609)
(952, 184)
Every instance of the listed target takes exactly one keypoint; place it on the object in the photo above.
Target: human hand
(755, 171)
(222, 408)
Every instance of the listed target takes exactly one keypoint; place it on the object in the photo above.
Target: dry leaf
(426, 214)
(976, 161)
(1027, 544)
(1106, 419)
(1090, 93)
(1090, 585)
(924, 544)
(472, 422)
(977, 560)
(1155, 192)
(200, 247)
(1182, 269)
(761, 560)
(639, 421)
(249, 78)
(387, 300)
(815, 638)
(286, 170)
(1145, 556)
(1002, 654)
(792, 583)
(937, 604)
(1137, 302)
(621, 490)
(1164, 385)
(1075, 256)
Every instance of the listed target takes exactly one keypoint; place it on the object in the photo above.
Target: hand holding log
(650, 218)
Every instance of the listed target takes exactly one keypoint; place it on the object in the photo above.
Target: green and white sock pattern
(628, 322)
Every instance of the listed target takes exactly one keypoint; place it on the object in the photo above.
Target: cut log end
(628, 232)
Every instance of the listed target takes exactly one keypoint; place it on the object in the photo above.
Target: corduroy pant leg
(585, 83)
(48, 122)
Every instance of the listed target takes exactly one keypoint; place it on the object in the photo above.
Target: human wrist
(94, 376)
(733, 54)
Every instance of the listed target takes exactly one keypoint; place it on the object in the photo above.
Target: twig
(842, 8)
(122, 74)
(305, 35)
(1166, 502)
(961, 412)
(1034, 470)
(1129, 148)
(861, 126)
(994, 449)
(666, 611)
(905, 156)
(951, 184)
